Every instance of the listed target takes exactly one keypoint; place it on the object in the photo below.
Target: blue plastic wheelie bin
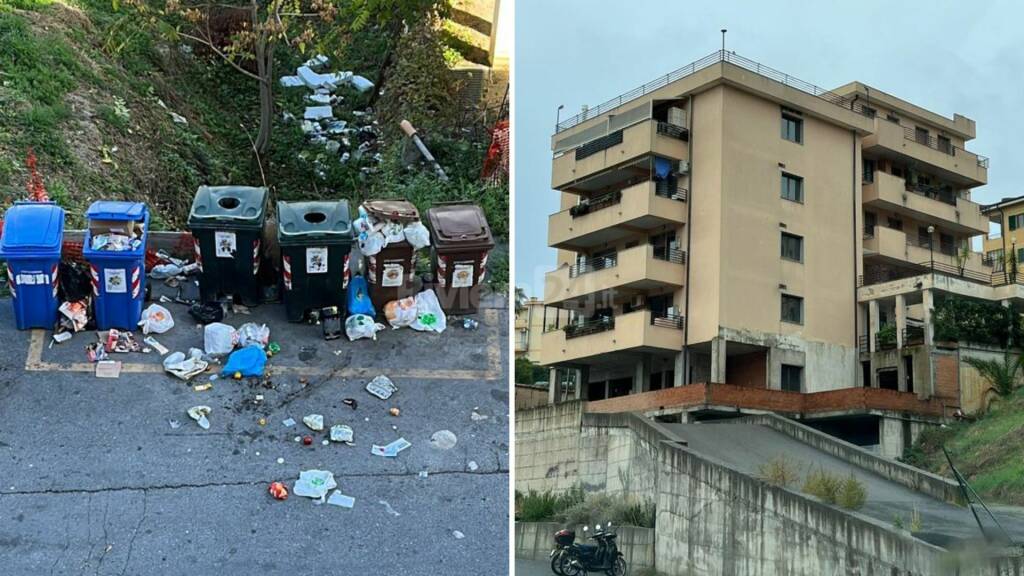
(115, 248)
(31, 243)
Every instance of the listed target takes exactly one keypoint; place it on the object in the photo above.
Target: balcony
(613, 216)
(614, 149)
(635, 269)
(892, 140)
(892, 193)
(638, 331)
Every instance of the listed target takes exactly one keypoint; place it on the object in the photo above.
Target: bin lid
(301, 221)
(116, 210)
(32, 227)
(460, 225)
(401, 210)
(244, 205)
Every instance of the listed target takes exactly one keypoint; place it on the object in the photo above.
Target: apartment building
(734, 239)
(529, 329)
(1000, 246)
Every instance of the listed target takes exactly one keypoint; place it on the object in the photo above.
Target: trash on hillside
(429, 315)
(278, 490)
(153, 343)
(316, 61)
(395, 412)
(95, 352)
(199, 414)
(156, 320)
(401, 312)
(339, 499)
(388, 508)
(186, 367)
(314, 422)
(443, 440)
(219, 338)
(391, 450)
(108, 369)
(351, 402)
(249, 361)
(178, 118)
(206, 313)
(410, 131)
(318, 112)
(291, 81)
(341, 433)
(288, 422)
(382, 387)
(314, 483)
(76, 313)
(362, 326)
(360, 83)
(121, 342)
(250, 334)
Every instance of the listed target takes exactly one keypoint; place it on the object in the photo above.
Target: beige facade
(529, 328)
(733, 225)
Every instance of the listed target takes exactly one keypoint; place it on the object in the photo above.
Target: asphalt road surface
(532, 568)
(95, 480)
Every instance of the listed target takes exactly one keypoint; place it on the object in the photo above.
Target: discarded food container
(31, 242)
(462, 239)
(316, 240)
(115, 248)
(391, 271)
(227, 226)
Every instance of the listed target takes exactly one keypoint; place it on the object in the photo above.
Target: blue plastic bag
(248, 361)
(359, 297)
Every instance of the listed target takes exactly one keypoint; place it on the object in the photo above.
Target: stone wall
(535, 540)
(547, 447)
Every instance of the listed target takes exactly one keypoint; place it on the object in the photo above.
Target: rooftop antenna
(723, 40)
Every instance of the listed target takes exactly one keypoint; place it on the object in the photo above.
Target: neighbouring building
(529, 328)
(732, 239)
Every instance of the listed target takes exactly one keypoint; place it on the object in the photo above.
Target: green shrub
(780, 471)
(545, 506)
(852, 493)
(824, 485)
(617, 509)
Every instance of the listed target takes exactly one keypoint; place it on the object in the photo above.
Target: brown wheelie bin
(461, 240)
(391, 272)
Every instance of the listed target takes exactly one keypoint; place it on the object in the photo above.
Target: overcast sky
(963, 57)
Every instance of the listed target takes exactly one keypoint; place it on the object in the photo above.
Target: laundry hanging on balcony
(662, 167)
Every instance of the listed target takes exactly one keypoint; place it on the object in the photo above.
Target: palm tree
(1001, 375)
(520, 299)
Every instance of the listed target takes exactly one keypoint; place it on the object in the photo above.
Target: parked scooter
(571, 559)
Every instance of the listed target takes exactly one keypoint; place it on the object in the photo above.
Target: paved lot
(532, 568)
(95, 480)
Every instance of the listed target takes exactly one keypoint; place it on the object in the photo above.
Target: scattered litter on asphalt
(298, 438)
(391, 450)
(249, 362)
(382, 387)
(307, 440)
(262, 421)
(95, 352)
(458, 535)
(61, 337)
(339, 499)
(250, 334)
(174, 424)
(184, 367)
(199, 414)
(280, 460)
(218, 339)
(341, 433)
(202, 387)
(121, 342)
(423, 474)
(388, 508)
(288, 422)
(76, 315)
(152, 342)
(362, 326)
(470, 324)
(443, 440)
(108, 369)
(394, 412)
(472, 466)
(314, 422)
(279, 491)
(477, 417)
(314, 484)
(156, 320)
(351, 402)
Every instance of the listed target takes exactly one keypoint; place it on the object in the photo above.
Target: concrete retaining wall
(535, 540)
(920, 480)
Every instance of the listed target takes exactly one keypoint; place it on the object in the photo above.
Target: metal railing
(929, 244)
(946, 147)
(595, 326)
(943, 194)
(673, 131)
(913, 336)
(596, 203)
(665, 190)
(666, 320)
(847, 102)
(599, 144)
(594, 265)
(673, 255)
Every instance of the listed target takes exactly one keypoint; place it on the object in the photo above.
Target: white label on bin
(392, 275)
(462, 275)
(316, 260)
(115, 280)
(226, 244)
(31, 279)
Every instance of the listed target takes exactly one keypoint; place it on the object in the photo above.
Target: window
(792, 187)
(924, 238)
(792, 126)
(995, 258)
(868, 171)
(792, 247)
(1016, 221)
(792, 377)
(947, 245)
(1020, 255)
(892, 118)
(921, 135)
(792, 309)
(894, 223)
(945, 145)
(868, 111)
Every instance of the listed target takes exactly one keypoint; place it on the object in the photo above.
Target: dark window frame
(787, 177)
(792, 126)
(786, 374)
(799, 301)
(799, 247)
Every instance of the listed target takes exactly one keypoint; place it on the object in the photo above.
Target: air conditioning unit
(677, 117)
(637, 302)
(684, 167)
(673, 311)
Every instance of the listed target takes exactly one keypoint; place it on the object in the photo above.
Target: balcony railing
(869, 232)
(944, 146)
(666, 320)
(600, 263)
(927, 243)
(595, 326)
(671, 191)
(673, 131)
(596, 203)
(885, 341)
(944, 194)
(913, 336)
(599, 144)
(673, 255)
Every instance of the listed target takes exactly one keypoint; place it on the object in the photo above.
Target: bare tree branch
(224, 56)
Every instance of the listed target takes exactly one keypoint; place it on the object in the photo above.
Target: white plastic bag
(372, 244)
(429, 315)
(156, 320)
(186, 367)
(251, 333)
(393, 232)
(417, 235)
(314, 483)
(401, 312)
(361, 326)
(219, 338)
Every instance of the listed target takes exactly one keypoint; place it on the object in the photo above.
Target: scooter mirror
(585, 528)
(608, 525)
(598, 527)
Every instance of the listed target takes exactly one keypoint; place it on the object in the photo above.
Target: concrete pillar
(927, 303)
(872, 324)
(1011, 343)
(890, 437)
(718, 356)
(582, 379)
(901, 319)
(642, 374)
(678, 374)
(553, 395)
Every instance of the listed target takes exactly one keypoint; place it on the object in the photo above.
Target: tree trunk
(264, 52)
